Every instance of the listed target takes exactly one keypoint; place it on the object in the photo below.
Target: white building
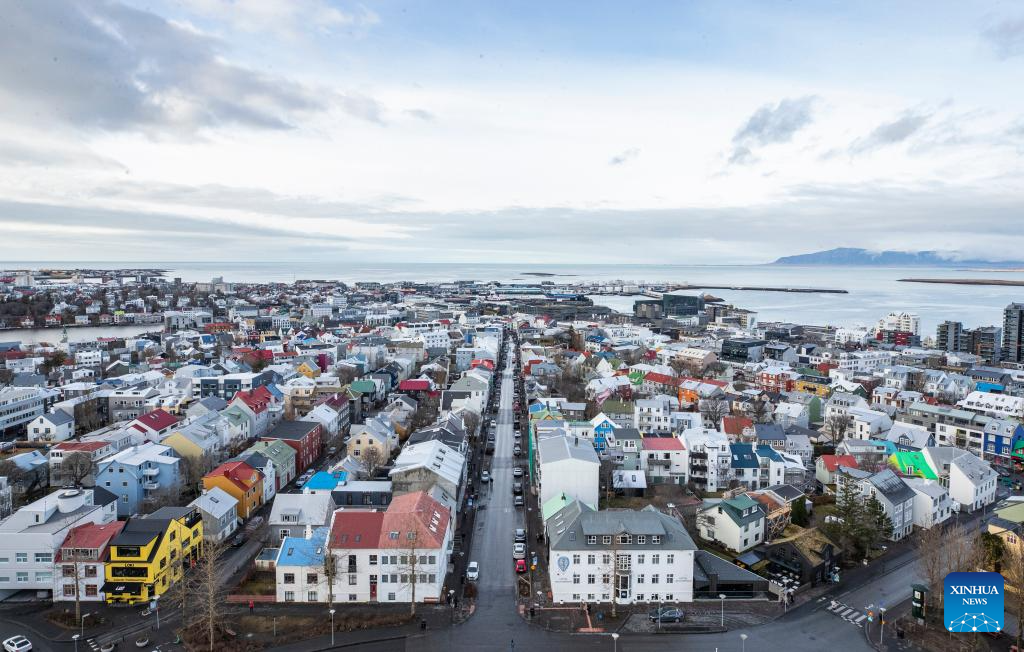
(642, 556)
(906, 322)
(52, 427)
(568, 466)
(932, 505)
(734, 523)
(971, 481)
(1000, 406)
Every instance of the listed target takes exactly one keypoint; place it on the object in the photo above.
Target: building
(570, 467)
(932, 505)
(150, 554)
(52, 427)
(681, 305)
(397, 555)
(306, 437)
(281, 455)
(31, 537)
(82, 562)
(292, 514)
(430, 466)
(21, 405)
(641, 556)
(1013, 333)
(219, 511)
(950, 337)
(743, 350)
(241, 482)
(737, 524)
(971, 482)
(896, 498)
(138, 475)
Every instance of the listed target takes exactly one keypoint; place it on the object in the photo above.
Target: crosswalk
(847, 613)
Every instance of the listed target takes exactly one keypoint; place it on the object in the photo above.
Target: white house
(994, 405)
(642, 556)
(971, 481)
(51, 427)
(220, 517)
(932, 505)
(568, 466)
(734, 523)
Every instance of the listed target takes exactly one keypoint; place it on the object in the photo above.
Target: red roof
(662, 444)
(91, 536)
(833, 462)
(238, 472)
(80, 446)
(414, 513)
(414, 385)
(736, 425)
(157, 420)
(356, 529)
(661, 379)
(257, 399)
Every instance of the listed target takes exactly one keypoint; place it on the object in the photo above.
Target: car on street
(520, 535)
(239, 540)
(666, 615)
(518, 551)
(485, 476)
(473, 571)
(17, 644)
(520, 565)
(517, 487)
(332, 451)
(517, 472)
(518, 502)
(517, 450)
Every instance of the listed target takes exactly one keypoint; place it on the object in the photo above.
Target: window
(289, 578)
(606, 559)
(640, 597)
(606, 540)
(90, 571)
(311, 578)
(575, 578)
(671, 559)
(311, 596)
(656, 539)
(641, 558)
(655, 559)
(68, 571)
(641, 539)
(353, 579)
(69, 590)
(654, 578)
(44, 557)
(373, 560)
(592, 539)
(625, 538)
(90, 590)
(289, 596)
(669, 578)
(640, 578)
(391, 597)
(591, 579)
(575, 596)
(22, 577)
(591, 559)
(21, 557)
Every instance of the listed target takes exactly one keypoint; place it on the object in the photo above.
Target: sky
(538, 132)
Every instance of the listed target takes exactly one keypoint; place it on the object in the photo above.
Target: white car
(17, 644)
(473, 571)
(519, 551)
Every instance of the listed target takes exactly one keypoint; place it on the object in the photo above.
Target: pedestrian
(252, 606)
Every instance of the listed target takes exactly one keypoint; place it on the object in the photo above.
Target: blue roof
(299, 551)
(769, 452)
(325, 480)
(743, 456)
(890, 446)
(275, 390)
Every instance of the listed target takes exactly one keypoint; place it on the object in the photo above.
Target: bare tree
(761, 410)
(410, 562)
(192, 470)
(427, 410)
(1013, 570)
(72, 567)
(372, 459)
(606, 475)
(76, 467)
(943, 551)
(837, 426)
(207, 590)
(713, 410)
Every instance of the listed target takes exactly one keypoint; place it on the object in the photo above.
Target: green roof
(1013, 513)
(364, 386)
(913, 463)
(553, 506)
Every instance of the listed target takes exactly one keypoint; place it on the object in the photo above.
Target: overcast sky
(508, 131)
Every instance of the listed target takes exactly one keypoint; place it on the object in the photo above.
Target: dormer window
(656, 539)
(591, 539)
(625, 539)
(641, 539)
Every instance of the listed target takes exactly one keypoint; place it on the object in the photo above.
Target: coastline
(964, 281)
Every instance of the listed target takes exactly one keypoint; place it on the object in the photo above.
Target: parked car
(473, 571)
(520, 565)
(19, 644)
(517, 487)
(518, 551)
(518, 502)
(517, 450)
(485, 476)
(238, 540)
(517, 472)
(666, 615)
(520, 535)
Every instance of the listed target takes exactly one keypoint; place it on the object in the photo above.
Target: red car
(520, 565)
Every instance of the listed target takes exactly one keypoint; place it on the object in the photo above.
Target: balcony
(656, 462)
(151, 486)
(150, 473)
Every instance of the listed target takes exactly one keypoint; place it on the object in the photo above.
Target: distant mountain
(852, 256)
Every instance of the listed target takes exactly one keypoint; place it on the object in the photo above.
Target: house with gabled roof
(737, 524)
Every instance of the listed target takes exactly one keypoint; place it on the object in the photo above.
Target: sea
(872, 292)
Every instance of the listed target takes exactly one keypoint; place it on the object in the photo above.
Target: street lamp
(615, 641)
(156, 605)
(881, 623)
(332, 627)
(721, 596)
(75, 638)
(743, 642)
(659, 614)
(81, 624)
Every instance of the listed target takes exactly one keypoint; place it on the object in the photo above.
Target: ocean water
(872, 291)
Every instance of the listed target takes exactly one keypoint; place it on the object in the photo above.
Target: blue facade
(601, 434)
(138, 473)
(1001, 445)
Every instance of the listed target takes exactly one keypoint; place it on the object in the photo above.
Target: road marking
(859, 619)
(846, 612)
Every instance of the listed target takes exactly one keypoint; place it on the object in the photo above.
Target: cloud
(625, 157)
(109, 66)
(420, 114)
(771, 124)
(891, 133)
(1006, 37)
(288, 18)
